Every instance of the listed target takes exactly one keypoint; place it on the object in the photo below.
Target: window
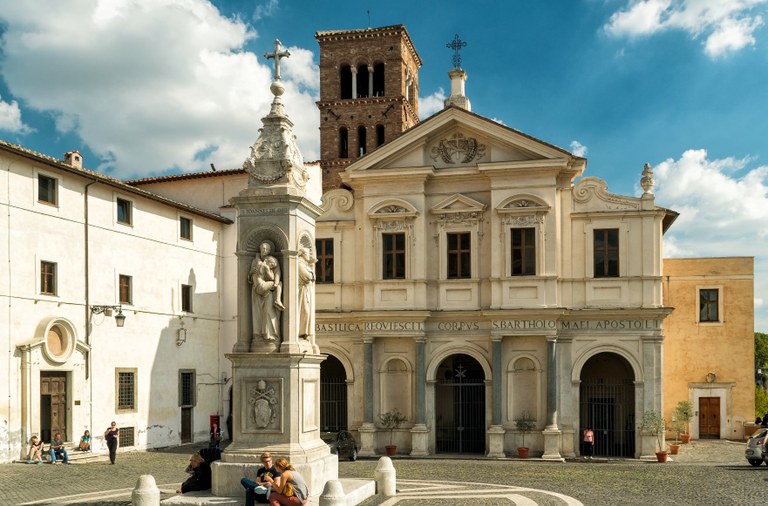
(709, 299)
(124, 211)
(127, 437)
(523, 251)
(47, 278)
(186, 298)
(47, 190)
(379, 135)
(345, 81)
(187, 388)
(393, 256)
(126, 389)
(360, 141)
(185, 228)
(126, 290)
(324, 266)
(343, 143)
(607, 253)
(459, 255)
(378, 80)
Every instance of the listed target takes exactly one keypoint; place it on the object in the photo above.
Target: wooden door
(53, 405)
(709, 417)
(186, 425)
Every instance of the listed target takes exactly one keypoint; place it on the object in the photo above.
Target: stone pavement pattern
(706, 473)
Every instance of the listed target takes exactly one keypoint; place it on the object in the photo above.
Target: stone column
(551, 431)
(368, 429)
(419, 432)
(354, 81)
(370, 81)
(496, 430)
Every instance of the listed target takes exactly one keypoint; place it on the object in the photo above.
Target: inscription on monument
(465, 326)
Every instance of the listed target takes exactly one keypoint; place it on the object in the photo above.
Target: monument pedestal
(276, 399)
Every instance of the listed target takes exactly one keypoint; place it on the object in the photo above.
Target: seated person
(258, 491)
(200, 478)
(85, 442)
(35, 453)
(288, 489)
(57, 449)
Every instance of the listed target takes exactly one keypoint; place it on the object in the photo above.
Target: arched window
(378, 80)
(362, 81)
(379, 135)
(343, 143)
(345, 81)
(361, 141)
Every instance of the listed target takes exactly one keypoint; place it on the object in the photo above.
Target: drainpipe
(89, 362)
(10, 311)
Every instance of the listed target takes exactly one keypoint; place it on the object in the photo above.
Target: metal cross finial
(456, 44)
(276, 56)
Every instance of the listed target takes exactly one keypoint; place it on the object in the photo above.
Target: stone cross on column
(456, 44)
(276, 55)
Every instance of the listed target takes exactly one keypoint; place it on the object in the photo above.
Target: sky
(152, 87)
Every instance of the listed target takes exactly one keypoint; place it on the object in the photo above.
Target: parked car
(343, 444)
(756, 447)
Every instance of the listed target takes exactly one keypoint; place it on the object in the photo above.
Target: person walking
(112, 436)
(587, 443)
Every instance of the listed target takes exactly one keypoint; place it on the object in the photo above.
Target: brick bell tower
(369, 93)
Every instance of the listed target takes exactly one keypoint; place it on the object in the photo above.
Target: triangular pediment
(458, 203)
(454, 139)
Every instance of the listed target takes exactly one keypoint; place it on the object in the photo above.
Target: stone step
(355, 492)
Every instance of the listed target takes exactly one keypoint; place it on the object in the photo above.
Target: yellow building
(709, 345)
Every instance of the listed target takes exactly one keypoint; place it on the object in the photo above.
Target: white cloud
(265, 10)
(723, 206)
(578, 148)
(431, 104)
(10, 118)
(171, 89)
(726, 25)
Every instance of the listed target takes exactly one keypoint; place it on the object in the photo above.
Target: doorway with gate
(333, 395)
(607, 404)
(460, 406)
(53, 404)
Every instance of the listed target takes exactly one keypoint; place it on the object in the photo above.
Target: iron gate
(333, 404)
(460, 413)
(609, 410)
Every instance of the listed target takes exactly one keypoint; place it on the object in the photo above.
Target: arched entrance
(460, 406)
(607, 404)
(333, 395)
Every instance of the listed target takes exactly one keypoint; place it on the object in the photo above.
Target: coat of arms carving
(458, 149)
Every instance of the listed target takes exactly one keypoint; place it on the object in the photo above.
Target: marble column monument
(275, 361)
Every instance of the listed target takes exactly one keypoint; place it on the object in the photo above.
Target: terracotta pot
(522, 452)
(685, 438)
(391, 450)
(662, 456)
(674, 449)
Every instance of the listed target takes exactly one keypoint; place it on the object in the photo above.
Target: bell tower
(369, 89)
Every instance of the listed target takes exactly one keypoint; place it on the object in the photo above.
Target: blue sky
(148, 87)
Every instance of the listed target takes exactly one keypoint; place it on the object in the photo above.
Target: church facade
(468, 275)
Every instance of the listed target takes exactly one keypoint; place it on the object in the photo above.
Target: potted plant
(677, 427)
(524, 423)
(652, 424)
(683, 414)
(390, 421)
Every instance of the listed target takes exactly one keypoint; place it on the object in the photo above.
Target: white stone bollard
(146, 492)
(333, 494)
(386, 478)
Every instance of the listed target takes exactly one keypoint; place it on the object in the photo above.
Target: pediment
(458, 203)
(392, 209)
(522, 204)
(455, 138)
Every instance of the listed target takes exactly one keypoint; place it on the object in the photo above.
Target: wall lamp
(107, 311)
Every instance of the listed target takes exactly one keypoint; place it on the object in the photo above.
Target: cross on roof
(276, 55)
(456, 44)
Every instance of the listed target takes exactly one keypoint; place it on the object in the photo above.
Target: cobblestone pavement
(705, 473)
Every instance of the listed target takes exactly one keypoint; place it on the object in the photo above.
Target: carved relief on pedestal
(262, 405)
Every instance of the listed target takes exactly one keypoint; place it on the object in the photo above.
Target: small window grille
(127, 437)
(126, 391)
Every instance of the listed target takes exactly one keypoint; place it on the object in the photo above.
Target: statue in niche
(266, 294)
(306, 279)
(262, 401)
